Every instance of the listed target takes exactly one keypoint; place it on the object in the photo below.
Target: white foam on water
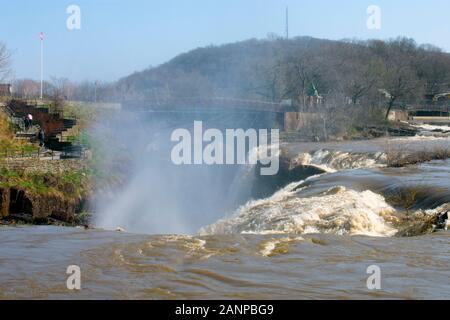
(429, 127)
(427, 132)
(270, 247)
(332, 160)
(420, 138)
(441, 209)
(337, 211)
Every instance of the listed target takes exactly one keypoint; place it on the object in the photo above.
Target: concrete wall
(397, 115)
(293, 121)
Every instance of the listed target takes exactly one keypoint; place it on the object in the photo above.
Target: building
(5, 89)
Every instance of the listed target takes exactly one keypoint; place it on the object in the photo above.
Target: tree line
(309, 72)
(313, 74)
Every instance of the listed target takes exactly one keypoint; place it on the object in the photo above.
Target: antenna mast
(287, 22)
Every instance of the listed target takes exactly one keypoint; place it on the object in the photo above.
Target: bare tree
(359, 71)
(26, 88)
(61, 90)
(400, 86)
(400, 80)
(301, 73)
(267, 82)
(434, 67)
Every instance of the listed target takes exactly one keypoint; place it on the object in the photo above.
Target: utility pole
(41, 37)
(287, 22)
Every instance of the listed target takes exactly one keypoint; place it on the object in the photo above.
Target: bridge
(431, 114)
(429, 111)
(230, 112)
(209, 104)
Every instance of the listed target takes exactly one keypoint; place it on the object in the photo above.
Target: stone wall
(39, 165)
(398, 115)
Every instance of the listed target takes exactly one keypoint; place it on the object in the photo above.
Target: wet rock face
(17, 203)
(4, 202)
(290, 171)
(442, 220)
(44, 207)
(424, 221)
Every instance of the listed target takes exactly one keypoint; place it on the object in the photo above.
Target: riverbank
(39, 185)
(313, 132)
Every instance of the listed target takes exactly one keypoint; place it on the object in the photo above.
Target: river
(312, 239)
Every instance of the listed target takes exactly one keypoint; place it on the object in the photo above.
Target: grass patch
(9, 145)
(68, 184)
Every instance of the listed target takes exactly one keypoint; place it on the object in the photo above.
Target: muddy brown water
(123, 266)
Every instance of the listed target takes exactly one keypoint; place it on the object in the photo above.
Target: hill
(232, 70)
(372, 72)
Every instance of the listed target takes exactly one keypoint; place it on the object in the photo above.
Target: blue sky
(118, 37)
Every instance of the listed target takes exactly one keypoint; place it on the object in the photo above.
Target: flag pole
(41, 36)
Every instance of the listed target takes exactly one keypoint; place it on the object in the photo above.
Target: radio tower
(287, 22)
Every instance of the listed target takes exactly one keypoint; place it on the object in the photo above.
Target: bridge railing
(443, 108)
(431, 111)
(167, 104)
